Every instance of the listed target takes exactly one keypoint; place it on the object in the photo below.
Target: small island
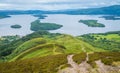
(40, 16)
(37, 25)
(111, 17)
(92, 23)
(4, 16)
(16, 26)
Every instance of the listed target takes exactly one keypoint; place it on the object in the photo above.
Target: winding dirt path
(74, 65)
(87, 55)
(84, 67)
(76, 68)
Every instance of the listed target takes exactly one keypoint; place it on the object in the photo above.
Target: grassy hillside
(43, 43)
(63, 44)
(7, 49)
(44, 52)
(74, 45)
(41, 50)
(27, 45)
(108, 41)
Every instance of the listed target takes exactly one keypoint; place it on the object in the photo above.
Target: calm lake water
(70, 24)
(23, 20)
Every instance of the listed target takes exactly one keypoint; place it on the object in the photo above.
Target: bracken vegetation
(48, 64)
(106, 57)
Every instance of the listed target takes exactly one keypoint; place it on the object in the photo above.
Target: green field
(112, 37)
(107, 41)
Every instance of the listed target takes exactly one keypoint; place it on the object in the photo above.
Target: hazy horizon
(54, 4)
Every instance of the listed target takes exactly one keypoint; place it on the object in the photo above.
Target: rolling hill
(44, 52)
(45, 44)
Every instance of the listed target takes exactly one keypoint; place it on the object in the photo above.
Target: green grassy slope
(10, 50)
(41, 50)
(27, 45)
(44, 52)
(49, 44)
(75, 45)
(108, 41)
(63, 44)
(113, 37)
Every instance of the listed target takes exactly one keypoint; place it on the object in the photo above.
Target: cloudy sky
(54, 4)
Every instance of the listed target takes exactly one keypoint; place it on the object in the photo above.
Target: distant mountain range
(110, 10)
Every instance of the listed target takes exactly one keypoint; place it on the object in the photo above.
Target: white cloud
(54, 4)
(4, 5)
